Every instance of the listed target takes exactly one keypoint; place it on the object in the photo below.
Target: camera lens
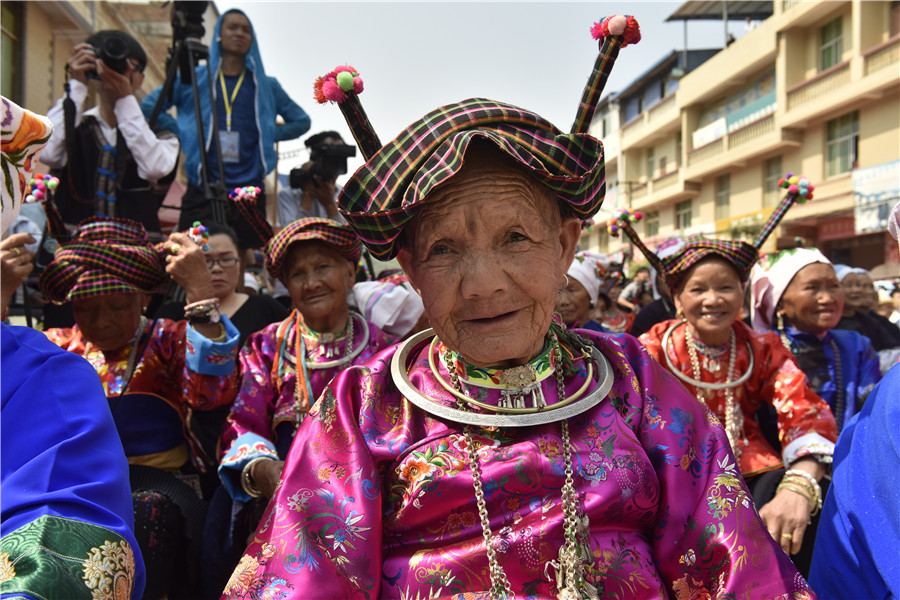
(115, 48)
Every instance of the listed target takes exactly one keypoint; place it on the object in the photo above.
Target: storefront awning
(703, 10)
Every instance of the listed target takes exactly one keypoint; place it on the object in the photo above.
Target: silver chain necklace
(569, 567)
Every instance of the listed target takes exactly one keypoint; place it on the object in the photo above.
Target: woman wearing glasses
(249, 313)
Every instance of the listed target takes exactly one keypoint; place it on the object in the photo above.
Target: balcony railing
(708, 151)
(665, 180)
(663, 110)
(819, 85)
(638, 192)
(883, 55)
(751, 131)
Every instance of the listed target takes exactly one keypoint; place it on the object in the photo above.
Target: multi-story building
(813, 89)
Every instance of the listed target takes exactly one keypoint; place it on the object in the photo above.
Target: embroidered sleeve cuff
(806, 445)
(206, 357)
(245, 448)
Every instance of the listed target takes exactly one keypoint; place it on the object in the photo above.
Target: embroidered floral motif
(109, 571)
(7, 569)
(244, 576)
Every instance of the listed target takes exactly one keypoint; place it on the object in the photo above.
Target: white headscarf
(395, 309)
(24, 136)
(894, 222)
(588, 269)
(771, 276)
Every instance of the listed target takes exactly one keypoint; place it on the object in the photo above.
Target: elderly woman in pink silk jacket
(500, 455)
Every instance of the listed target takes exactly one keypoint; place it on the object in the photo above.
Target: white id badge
(231, 146)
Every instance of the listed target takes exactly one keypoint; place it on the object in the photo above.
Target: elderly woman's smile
(488, 253)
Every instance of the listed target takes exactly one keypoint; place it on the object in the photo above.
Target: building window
(662, 165)
(651, 220)
(9, 53)
(842, 147)
(683, 215)
(771, 190)
(650, 161)
(723, 196)
(678, 149)
(831, 47)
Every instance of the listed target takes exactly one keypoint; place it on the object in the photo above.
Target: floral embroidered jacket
(265, 414)
(65, 500)
(805, 424)
(179, 371)
(377, 497)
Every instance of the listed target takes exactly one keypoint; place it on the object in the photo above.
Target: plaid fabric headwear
(104, 256)
(340, 237)
(770, 278)
(740, 254)
(381, 198)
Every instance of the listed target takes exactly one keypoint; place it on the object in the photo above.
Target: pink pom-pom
(357, 85)
(811, 187)
(638, 215)
(332, 91)
(40, 185)
(597, 31)
(616, 25)
(257, 190)
(39, 195)
(793, 188)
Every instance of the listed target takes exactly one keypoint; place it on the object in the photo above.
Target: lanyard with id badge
(230, 140)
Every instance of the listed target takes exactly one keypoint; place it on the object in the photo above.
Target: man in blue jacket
(247, 103)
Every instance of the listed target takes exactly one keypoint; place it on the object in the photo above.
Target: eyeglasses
(226, 262)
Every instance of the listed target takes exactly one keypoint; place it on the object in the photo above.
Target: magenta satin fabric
(377, 498)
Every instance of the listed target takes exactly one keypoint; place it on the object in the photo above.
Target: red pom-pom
(632, 33)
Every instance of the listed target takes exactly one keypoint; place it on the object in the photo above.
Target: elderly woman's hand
(787, 515)
(186, 265)
(16, 262)
(267, 474)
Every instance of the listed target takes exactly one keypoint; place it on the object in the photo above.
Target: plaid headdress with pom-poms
(104, 256)
(340, 237)
(381, 198)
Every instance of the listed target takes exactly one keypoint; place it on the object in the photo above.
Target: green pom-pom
(345, 81)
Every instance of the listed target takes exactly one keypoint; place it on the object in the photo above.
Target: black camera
(329, 161)
(187, 19)
(113, 50)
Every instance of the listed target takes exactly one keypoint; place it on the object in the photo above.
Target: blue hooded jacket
(271, 101)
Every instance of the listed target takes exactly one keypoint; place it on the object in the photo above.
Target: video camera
(330, 160)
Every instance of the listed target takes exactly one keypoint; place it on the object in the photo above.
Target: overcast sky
(416, 56)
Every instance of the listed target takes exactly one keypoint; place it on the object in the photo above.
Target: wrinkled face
(110, 321)
(814, 300)
(574, 304)
(224, 265)
(318, 279)
(711, 296)
(854, 291)
(487, 254)
(236, 33)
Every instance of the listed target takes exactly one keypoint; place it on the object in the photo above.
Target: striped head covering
(340, 237)
(741, 255)
(770, 278)
(382, 196)
(104, 256)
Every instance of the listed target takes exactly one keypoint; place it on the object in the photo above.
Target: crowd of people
(506, 416)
